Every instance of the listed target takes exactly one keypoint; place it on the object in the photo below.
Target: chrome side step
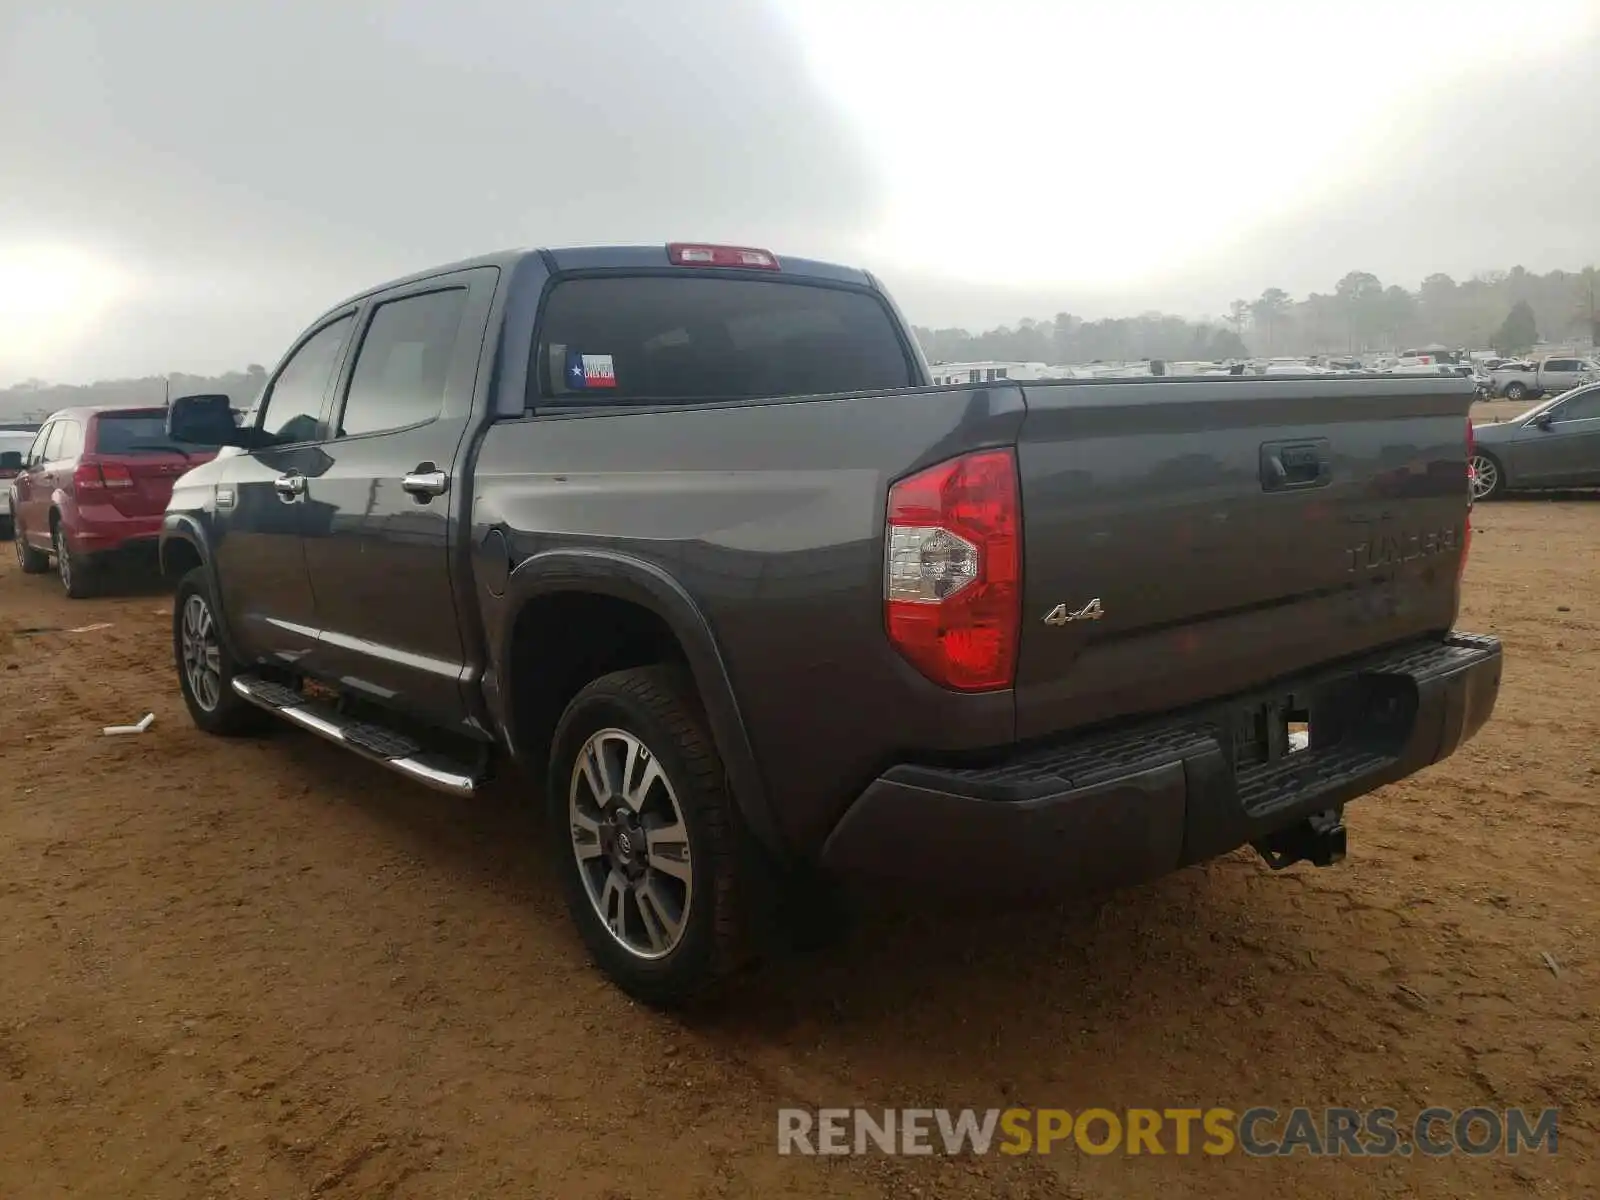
(376, 742)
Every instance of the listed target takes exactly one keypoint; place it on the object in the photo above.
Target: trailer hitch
(1319, 840)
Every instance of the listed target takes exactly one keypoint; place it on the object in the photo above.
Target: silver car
(1555, 444)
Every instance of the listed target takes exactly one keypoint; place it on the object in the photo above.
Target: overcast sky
(186, 183)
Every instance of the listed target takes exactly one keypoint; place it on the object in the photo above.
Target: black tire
(29, 560)
(76, 571)
(228, 714)
(7, 528)
(657, 706)
(1497, 489)
(1516, 391)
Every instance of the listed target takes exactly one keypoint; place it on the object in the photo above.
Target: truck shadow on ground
(991, 1003)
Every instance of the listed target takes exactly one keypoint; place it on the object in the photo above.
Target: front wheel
(649, 852)
(29, 560)
(1488, 480)
(205, 668)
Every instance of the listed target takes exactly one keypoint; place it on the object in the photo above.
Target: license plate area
(1267, 731)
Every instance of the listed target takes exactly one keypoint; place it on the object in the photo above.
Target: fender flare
(184, 527)
(645, 583)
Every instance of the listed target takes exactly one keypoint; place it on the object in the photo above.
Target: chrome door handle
(289, 486)
(425, 484)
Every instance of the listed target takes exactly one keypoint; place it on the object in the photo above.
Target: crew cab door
(1566, 453)
(391, 498)
(262, 506)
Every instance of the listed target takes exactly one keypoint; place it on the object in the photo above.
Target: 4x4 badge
(1060, 615)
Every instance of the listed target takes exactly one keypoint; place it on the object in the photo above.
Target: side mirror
(1544, 420)
(11, 460)
(206, 420)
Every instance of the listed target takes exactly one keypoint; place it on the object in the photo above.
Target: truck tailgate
(1187, 539)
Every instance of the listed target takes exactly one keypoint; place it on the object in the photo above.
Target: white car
(12, 441)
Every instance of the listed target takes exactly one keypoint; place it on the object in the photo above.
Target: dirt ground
(269, 969)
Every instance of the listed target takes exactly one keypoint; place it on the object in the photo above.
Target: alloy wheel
(63, 558)
(630, 843)
(1485, 476)
(202, 656)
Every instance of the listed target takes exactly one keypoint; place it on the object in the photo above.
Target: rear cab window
(135, 433)
(679, 338)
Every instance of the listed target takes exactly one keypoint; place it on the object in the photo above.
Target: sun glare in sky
(1030, 141)
(49, 296)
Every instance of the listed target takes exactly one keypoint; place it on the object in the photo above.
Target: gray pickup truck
(1523, 381)
(686, 534)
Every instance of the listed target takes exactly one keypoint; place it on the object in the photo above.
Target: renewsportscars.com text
(1258, 1131)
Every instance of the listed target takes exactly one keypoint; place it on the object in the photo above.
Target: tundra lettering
(1393, 548)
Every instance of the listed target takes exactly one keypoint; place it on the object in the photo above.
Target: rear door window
(71, 443)
(404, 360)
(682, 338)
(1583, 407)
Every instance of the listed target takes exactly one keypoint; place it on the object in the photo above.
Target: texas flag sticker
(590, 371)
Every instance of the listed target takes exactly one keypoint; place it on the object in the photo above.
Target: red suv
(94, 485)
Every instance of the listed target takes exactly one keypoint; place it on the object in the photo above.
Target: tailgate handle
(1290, 466)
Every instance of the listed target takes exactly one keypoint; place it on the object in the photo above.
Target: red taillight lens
(685, 254)
(116, 475)
(94, 477)
(952, 571)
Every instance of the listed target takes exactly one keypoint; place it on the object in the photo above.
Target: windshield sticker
(590, 371)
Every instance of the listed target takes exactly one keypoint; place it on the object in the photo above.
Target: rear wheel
(1516, 391)
(1488, 480)
(75, 570)
(652, 861)
(205, 668)
(29, 560)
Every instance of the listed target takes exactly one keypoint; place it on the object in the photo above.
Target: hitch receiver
(1319, 840)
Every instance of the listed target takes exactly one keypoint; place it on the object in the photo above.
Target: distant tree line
(36, 399)
(1509, 311)
(1069, 339)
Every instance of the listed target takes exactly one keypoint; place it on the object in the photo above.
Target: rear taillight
(686, 254)
(95, 477)
(952, 571)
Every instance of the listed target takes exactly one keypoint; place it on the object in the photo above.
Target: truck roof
(603, 258)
